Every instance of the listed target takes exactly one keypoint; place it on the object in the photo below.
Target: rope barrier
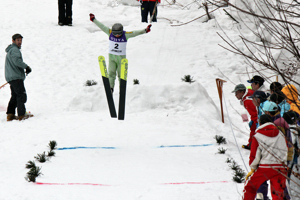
(234, 134)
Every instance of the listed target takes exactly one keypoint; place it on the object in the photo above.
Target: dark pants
(65, 11)
(18, 98)
(148, 7)
(263, 188)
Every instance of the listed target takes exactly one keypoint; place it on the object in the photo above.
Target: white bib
(117, 46)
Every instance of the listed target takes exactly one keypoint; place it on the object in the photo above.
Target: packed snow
(165, 148)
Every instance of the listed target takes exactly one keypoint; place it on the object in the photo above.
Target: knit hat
(270, 106)
(239, 87)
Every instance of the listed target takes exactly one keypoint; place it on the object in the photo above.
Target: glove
(92, 17)
(250, 173)
(148, 28)
(27, 70)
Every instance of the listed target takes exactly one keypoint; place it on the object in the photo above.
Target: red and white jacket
(249, 106)
(268, 148)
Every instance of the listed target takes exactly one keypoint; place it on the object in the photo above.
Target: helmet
(117, 29)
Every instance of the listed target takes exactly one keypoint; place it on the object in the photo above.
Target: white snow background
(161, 112)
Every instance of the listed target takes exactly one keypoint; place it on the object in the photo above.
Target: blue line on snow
(162, 146)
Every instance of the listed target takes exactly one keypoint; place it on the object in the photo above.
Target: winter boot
(26, 116)
(246, 147)
(11, 117)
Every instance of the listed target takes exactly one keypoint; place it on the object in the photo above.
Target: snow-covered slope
(162, 111)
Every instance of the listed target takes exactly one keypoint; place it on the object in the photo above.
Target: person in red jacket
(267, 160)
(242, 94)
(148, 6)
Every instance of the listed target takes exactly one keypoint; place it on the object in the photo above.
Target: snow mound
(172, 98)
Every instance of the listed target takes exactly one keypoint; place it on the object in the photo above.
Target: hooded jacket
(268, 148)
(291, 94)
(14, 65)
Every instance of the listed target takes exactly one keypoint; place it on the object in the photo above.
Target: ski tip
(100, 58)
(124, 60)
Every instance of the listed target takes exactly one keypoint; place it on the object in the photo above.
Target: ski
(123, 82)
(109, 96)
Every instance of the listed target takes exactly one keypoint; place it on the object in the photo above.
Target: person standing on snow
(242, 94)
(65, 12)
(292, 94)
(15, 76)
(117, 46)
(271, 108)
(257, 83)
(280, 99)
(292, 118)
(258, 99)
(148, 6)
(267, 160)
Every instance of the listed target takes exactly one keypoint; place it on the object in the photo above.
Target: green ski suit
(115, 60)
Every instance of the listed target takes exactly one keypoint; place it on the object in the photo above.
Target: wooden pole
(3, 85)
(153, 12)
(219, 83)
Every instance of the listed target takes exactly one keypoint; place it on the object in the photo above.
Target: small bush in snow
(188, 79)
(52, 145)
(239, 175)
(221, 150)
(50, 153)
(136, 82)
(90, 83)
(30, 164)
(234, 166)
(220, 139)
(33, 173)
(41, 157)
(228, 160)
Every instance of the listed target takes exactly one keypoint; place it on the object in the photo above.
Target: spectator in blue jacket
(280, 99)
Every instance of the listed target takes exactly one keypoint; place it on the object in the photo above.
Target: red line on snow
(191, 183)
(93, 184)
(96, 184)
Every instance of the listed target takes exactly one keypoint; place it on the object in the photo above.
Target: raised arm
(104, 28)
(138, 32)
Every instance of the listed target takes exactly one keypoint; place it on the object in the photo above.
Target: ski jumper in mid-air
(117, 46)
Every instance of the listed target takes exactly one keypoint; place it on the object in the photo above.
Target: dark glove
(148, 28)
(28, 70)
(92, 17)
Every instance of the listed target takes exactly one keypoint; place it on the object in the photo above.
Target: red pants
(261, 175)
(252, 132)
